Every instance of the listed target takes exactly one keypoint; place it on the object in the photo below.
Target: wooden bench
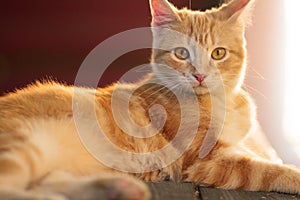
(189, 191)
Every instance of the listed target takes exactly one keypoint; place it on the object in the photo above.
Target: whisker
(248, 88)
(247, 76)
(157, 91)
(150, 88)
(257, 73)
(156, 99)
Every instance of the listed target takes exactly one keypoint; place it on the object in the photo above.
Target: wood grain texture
(172, 191)
(219, 194)
(188, 191)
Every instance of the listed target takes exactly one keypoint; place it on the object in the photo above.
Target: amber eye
(218, 53)
(181, 53)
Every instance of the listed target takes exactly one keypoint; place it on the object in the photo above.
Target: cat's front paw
(127, 188)
(110, 187)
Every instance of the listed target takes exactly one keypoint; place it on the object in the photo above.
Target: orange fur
(42, 153)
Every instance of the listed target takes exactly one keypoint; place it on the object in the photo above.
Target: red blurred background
(40, 39)
(50, 39)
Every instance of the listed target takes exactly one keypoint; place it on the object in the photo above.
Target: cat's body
(51, 146)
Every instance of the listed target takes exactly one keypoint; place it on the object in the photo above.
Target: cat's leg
(14, 172)
(238, 171)
(106, 186)
(15, 177)
(17, 182)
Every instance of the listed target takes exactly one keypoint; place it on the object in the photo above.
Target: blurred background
(50, 39)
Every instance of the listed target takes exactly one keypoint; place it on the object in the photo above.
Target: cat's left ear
(237, 9)
(163, 13)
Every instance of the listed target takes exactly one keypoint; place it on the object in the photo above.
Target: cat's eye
(181, 53)
(218, 53)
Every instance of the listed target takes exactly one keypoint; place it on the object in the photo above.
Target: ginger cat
(190, 120)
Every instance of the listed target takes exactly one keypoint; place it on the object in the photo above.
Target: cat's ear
(237, 9)
(163, 12)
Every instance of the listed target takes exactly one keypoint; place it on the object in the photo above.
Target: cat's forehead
(203, 27)
(194, 19)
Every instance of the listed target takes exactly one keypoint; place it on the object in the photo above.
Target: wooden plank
(172, 191)
(219, 194)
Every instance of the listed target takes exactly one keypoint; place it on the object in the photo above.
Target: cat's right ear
(238, 10)
(163, 13)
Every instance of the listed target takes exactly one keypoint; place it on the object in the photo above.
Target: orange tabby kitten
(188, 121)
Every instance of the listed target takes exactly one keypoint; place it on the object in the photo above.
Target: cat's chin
(200, 90)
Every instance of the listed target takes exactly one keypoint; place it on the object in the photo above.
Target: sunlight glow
(291, 123)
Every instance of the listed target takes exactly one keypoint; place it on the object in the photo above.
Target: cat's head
(205, 50)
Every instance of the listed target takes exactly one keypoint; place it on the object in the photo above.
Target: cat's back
(41, 106)
(38, 120)
(48, 99)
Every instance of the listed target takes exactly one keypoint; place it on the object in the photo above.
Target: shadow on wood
(188, 191)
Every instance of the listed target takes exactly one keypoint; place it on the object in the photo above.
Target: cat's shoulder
(38, 91)
(43, 86)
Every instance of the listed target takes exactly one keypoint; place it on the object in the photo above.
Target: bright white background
(274, 73)
(291, 123)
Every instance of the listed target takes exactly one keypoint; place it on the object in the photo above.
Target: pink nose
(200, 77)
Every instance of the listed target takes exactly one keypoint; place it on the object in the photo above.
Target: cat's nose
(200, 77)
